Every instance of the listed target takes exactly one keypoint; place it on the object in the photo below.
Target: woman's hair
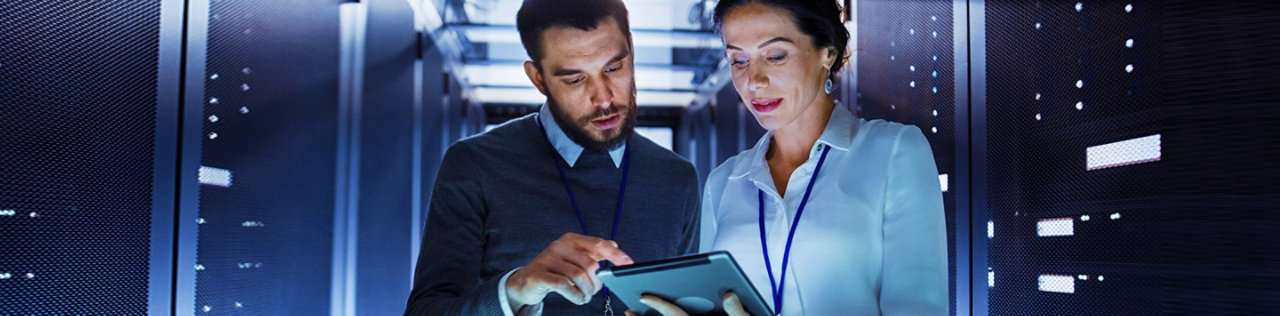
(820, 19)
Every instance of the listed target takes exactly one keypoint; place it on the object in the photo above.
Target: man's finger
(570, 291)
(587, 284)
(608, 250)
(662, 306)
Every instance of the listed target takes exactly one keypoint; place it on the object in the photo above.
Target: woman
(850, 209)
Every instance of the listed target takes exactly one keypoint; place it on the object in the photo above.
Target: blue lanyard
(617, 212)
(786, 253)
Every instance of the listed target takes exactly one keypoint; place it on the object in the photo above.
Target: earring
(828, 86)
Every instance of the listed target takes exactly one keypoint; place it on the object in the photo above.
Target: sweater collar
(568, 149)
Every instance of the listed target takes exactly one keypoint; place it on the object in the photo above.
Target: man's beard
(576, 128)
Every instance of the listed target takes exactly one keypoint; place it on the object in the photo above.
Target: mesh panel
(906, 74)
(265, 242)
(78, 90)
(1073, 90)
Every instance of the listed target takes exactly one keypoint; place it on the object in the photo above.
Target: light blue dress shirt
(570, 151)
(872, 239)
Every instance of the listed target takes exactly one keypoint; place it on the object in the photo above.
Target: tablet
(696, 283)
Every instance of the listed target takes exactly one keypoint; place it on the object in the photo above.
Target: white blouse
(872, 239)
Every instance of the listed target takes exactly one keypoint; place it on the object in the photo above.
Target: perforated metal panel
(78, 94)
(905, 72)
(1121, 178)
(269, 145)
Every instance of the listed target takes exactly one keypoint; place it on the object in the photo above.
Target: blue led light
(1128, 8)
(1079, 6)
(1128, 43)
(1128, 68)
(935, 57)
(935, 74)
(912, 84)
(935, 89)
(913, 68)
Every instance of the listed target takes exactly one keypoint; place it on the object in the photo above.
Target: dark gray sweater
(498, 201)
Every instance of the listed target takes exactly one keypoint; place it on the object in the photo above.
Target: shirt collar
(568, 149)
(839, 133)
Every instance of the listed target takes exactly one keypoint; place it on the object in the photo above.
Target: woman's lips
(606, 122)
(766, 105)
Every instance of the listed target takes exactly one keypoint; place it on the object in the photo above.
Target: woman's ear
(829, 59)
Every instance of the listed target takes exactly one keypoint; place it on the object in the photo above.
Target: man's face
(588, 78)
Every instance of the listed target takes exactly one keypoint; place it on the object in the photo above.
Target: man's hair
(536, 16)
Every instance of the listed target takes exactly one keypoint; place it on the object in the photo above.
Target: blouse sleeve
(915, 255)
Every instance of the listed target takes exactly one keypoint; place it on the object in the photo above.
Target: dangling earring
(828, 86)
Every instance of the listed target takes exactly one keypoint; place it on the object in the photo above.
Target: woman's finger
(733, 306)
(662, 306)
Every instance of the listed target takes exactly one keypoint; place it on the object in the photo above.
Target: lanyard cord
(786, 253)
(617, 213)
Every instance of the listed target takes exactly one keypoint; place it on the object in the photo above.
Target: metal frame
(977, 139)
(165, 174)
(353, 18)
(417, 216)
(964, 247)
(189, 151)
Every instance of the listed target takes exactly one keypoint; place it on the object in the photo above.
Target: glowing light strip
(1053, 227)
(641, 38)
(942, 179)
(650, 78)
(1057, 283)
(1123, 153)
(532, 96)
(215, 176)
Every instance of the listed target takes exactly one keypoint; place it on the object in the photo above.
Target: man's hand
(567, 266)
(732, 306)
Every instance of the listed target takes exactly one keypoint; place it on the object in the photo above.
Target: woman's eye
(776, 58)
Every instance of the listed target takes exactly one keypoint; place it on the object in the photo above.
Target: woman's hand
(732, 306)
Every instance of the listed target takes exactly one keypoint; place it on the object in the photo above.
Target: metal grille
(78, 90)
(269, 130)
(1089, 215)
(906, 74)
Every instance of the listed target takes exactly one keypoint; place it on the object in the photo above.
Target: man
(522, 216)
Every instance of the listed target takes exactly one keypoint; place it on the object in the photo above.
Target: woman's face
(777, 70)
